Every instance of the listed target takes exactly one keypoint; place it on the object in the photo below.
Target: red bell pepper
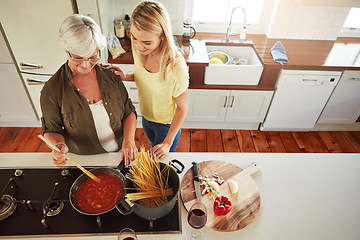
(222, 205)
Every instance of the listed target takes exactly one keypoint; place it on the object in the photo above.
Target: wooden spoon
(50, 145)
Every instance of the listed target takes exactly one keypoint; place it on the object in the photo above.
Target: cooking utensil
(196, 181)
(53, 147)
(125, 206)
(245, 204)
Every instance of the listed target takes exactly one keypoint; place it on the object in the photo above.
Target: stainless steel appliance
(34, 202)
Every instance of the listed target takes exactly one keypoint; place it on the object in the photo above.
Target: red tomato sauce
(93, 197)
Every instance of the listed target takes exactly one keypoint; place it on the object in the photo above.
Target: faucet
(228, 31)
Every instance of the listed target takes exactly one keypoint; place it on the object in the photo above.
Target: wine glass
(196, 219)
(127, 234)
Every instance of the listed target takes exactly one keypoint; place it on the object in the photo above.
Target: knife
(196, 181)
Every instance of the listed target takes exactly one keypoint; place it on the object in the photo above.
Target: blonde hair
(81, 35)
(151, 16)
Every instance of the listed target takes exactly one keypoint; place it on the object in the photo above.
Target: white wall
(175, 9)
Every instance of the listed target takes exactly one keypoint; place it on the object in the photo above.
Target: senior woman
(86, 108)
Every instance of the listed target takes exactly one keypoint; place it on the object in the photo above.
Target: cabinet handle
(307, 80)
(133, 88)
(30, 65)
(355, 79)
(135, 102)
(33, 81)
(225, 101)
(232, 101)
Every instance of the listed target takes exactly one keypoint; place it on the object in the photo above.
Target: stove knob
(18, 173)
(65, 172)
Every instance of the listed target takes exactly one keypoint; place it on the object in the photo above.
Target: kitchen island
(303, 196)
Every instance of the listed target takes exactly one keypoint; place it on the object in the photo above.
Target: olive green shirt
(66, 111)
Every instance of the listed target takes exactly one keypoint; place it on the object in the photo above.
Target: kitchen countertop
(303, 196)
(342, 54)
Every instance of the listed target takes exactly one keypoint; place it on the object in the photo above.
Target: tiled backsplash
(294, 21)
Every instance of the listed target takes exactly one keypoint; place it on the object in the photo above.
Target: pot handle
(124, 206)
(179, 166)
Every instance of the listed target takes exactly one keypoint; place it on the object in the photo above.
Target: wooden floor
(14, 139)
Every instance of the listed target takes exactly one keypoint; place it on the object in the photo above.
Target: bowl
(220, 55)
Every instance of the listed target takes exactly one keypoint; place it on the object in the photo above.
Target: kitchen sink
(245, 68)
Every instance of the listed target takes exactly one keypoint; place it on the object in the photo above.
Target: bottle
(119, 28)
(127, 26)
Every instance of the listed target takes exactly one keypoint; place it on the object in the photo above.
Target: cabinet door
(344, 104)
(247, 106)
(15, 104)
(207, 105)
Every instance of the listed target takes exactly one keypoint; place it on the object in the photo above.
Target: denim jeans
(156, 133)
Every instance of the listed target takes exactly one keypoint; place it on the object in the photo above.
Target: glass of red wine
(197, 217)
(127, 234)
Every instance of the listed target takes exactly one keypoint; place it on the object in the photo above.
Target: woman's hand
(161, 150)
(117, 71)
(59, 159)
(128, 152)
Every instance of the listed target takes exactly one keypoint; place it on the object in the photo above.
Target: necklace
(89, 101)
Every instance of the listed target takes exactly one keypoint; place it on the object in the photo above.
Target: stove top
(27, 192)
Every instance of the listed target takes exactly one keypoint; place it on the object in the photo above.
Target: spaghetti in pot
(150, 181)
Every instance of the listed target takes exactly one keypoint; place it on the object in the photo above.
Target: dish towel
(279, 54)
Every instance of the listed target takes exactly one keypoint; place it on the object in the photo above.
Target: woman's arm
(163, 148)
(58, 140)
(129, 149)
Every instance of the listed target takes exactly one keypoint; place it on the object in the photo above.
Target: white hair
(81, 35)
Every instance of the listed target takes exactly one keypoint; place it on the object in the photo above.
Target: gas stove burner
(7, 206)
(52, 208)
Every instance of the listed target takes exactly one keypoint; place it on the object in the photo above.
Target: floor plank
(245, 141)
(229, 140)
(316, 142)
(198, 140)
(289, 142)
(260, 142)
(342, 142)
(8, 137)
(34, 141)
(142, 139)
(213, 140)
(330, 142)
(184, 141)
(21, 140)
(353, 139)
(303, 142)
(275, 142)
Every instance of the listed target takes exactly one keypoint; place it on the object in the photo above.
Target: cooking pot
(118, 176)
(225, 58)
(125, 206)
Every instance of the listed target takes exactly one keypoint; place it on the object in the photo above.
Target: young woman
(161, 77)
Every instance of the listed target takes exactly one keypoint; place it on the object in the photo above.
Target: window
(351, 27)
(214, 15)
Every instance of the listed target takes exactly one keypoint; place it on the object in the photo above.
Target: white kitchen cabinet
(32, 29)
(227, 108)
(343, 106)
(15, 105)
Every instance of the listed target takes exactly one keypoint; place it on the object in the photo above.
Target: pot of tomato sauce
(92, 198)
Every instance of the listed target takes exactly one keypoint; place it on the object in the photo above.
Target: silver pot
(226, 59)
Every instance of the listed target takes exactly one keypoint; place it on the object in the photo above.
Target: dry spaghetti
(150, 181)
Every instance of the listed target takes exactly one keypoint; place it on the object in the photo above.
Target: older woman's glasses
(79, 60)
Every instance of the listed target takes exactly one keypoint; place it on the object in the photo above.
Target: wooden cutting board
(245, 206)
